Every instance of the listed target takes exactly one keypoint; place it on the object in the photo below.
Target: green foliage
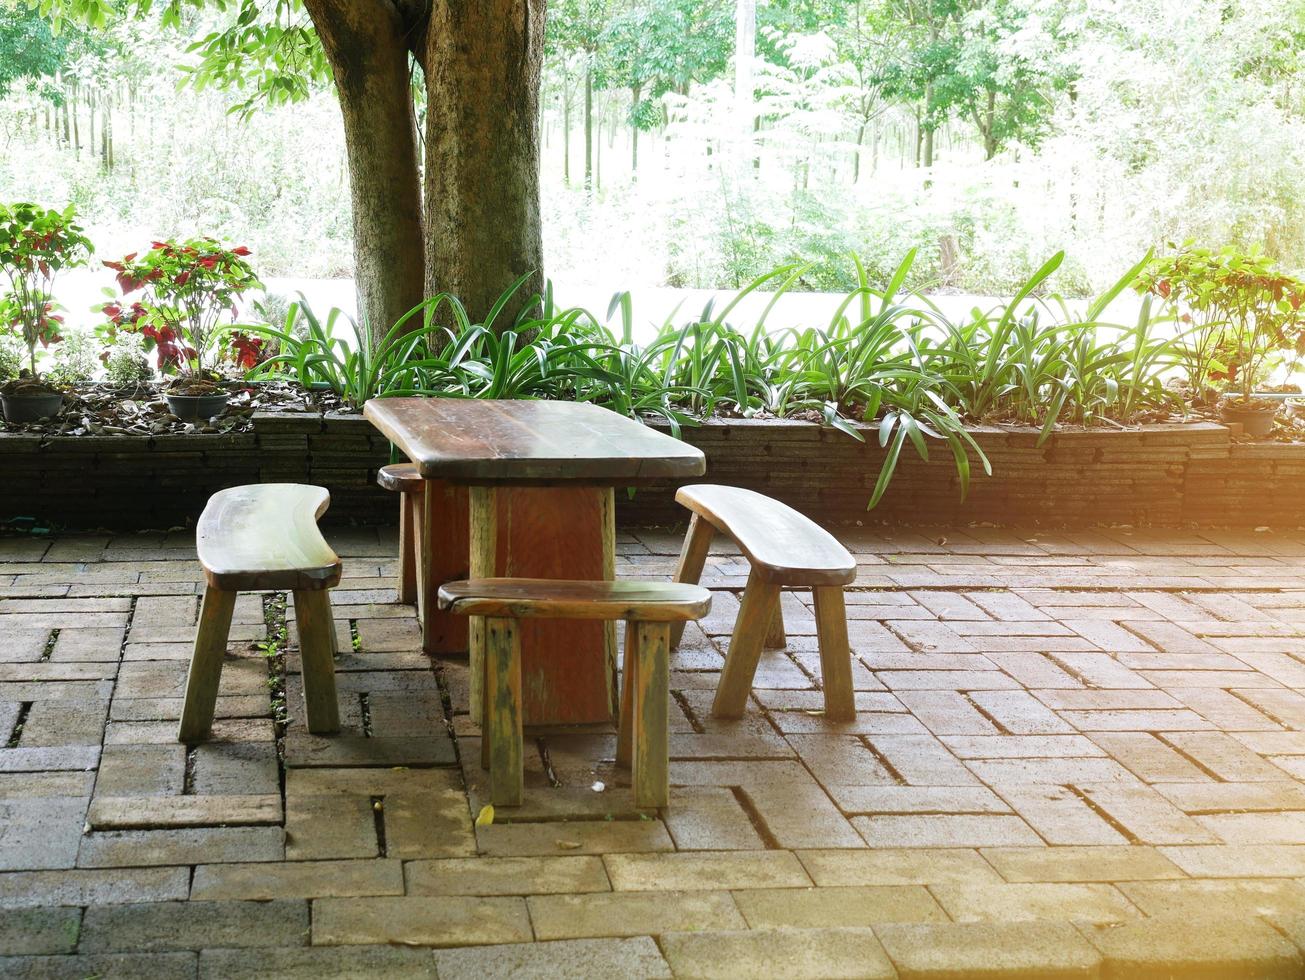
(887, 364)
(189, 288)
(29, 49)
(36, 244)
(126, 363)
(76, 359)
(1245, 313)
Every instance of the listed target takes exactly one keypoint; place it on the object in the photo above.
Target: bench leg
(408, 536)
(501, 725)
(651, 730)
(625, 723)
(206, 665)
(755, 614)
(317, 654)
(693, 556)
(835, 653)
(776, 637)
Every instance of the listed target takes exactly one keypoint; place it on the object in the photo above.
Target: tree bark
(367, 45)
(589, 121)
(482, 150)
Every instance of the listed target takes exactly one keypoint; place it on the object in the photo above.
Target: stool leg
(651, 724)
(417, 510)
(693, 556)
(776, 637)
(206, 665)
(755, 614)
(625, 724)
(502, 724)
(835, 653)
(407, 551)
(317, 654)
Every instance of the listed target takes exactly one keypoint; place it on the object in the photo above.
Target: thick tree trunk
(367, 45)
(482, 150)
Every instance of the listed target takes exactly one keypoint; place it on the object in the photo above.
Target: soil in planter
(140, 410)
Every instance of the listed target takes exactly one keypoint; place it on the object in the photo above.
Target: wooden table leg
(441, 557)
(568, 667)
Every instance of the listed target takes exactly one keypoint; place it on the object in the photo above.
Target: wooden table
(526, 488)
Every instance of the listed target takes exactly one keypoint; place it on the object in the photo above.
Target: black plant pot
(192, 407)
(32, 407)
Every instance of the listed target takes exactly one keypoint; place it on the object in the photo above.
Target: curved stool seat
(264, 538)
(400, 477)
(648, 610)
(785, 550)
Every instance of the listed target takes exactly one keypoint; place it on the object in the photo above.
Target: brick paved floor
(1076, 754)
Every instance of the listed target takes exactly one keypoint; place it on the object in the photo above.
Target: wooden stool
(647, 608)
(257, 538)
(404, 479)
(786, 550)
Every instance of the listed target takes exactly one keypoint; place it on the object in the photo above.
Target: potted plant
(35, 245)
(1245, 315)
(190, 288)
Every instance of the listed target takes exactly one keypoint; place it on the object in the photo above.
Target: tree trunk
(482, 143)
(566, 131)
(366, 44)
(589, 122)
(635, 91)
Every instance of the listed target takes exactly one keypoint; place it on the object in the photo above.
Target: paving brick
(944, 830)
(451, 921)
(1189, 947)
(632, 914)
(1224, 897)
(637, 959)
(127, 813)
(801, 815)
(317, 963)
(1071, 864)
(138, 966)
(1148, 758)
(64, 722)
(1011, 902)
(1012, 951)
(917, 799)
(507, 876)
(805, 953)
(39, 931)
(922, 760)
(811, 908)
(1020, 746)
(318, 879)
(40, 833)
(1239, 860)
(149, 848)
(709, 818)
(193, 925)
(896, 867)
(582, 837)
(1257, 828)
(687, 872)
(97, 887)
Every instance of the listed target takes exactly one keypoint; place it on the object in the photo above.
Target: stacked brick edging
(1162, 475)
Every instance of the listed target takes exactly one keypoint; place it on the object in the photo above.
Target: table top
(481, 441)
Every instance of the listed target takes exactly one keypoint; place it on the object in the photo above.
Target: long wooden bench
(405, 480)
(648, 610)
(264, 538)
(785, 550)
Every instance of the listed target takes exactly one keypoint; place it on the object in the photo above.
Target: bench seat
(785, 549)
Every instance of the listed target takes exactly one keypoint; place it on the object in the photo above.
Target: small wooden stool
(257, 538)
(647, 608)
(786, 550)
(404, 479)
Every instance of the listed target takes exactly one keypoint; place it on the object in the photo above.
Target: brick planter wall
(1161, 475)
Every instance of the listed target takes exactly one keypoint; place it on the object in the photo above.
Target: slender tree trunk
(856, 154)
(482, 63)
(566, 132)
(635, 91)
(589, 121)
(366, 44)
